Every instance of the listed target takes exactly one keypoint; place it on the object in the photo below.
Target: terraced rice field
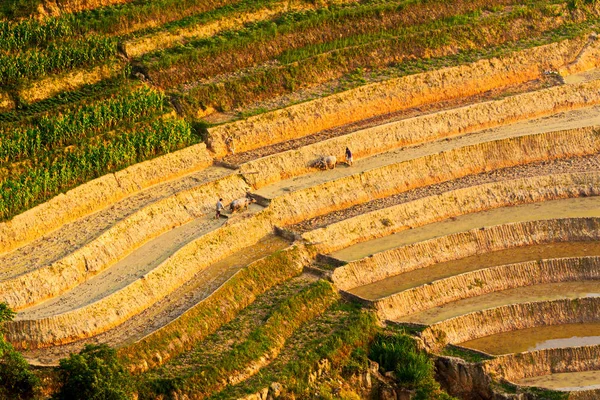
(470, 215)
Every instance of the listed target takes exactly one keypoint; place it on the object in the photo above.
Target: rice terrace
(299, 199)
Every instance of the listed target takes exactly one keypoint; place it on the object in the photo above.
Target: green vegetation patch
(413, 368)
(336, 336)
(201, 374)
(31, 183)
(221, 307)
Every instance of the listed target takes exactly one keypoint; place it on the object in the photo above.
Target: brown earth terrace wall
(452, 164)
(117, 307)
(436, 208)
(483, 281)
(464, 244)
(514, 367)
(116, 242)
(288, 209)
(515, 317)
(393, 95)
(99, 193)
(422, 129)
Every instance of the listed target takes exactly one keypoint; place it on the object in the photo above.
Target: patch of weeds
(465, 354)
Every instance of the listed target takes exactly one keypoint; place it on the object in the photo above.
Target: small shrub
(17, 381)
(94, 374)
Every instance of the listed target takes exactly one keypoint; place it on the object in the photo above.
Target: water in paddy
(565, 208)
(568, 381)
(538, 338)
(548, 291)
(398, 283)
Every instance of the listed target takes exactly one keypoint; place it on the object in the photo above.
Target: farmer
(348, 156)
(219, 208)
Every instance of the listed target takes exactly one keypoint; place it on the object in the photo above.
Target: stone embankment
(98, 194)
(523, 315)
(393, 95)
(422, 129)
(461, 245)
(31, 287)
(450, 204)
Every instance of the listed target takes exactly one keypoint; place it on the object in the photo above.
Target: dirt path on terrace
(127, 270)
(561, 121)
(548, 291)
(564, 208)
(69, 237)
(168, 309)
(424, 276)
(238, 159)
(571, 165)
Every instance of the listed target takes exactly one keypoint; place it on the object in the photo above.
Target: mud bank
(427, 128)
(511, 318)
(118, 241)
(473, 199)
(99, 193)
(393, 95)
(461, 245)
(115, 308)
(484, 281)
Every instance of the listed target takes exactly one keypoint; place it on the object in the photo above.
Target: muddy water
(538, 338)
(565, 208)
(443, 270)
(568, 381)
(549, 291)
(585, 76)
(132, 267)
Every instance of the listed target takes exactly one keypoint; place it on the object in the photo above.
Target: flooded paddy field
(398, 283)
(538, 338)
(549, 291)
(566, 208)
(568, 381)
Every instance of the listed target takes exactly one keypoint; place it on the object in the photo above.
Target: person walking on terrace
(348, 157)
(219, 208)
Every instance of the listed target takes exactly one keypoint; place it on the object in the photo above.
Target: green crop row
(397, 56)
(267, 338)
(112, 20)
(65, 101)
(55, 58)
(51, 176)
(48, 132)
(32, 33)
(268, 40)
